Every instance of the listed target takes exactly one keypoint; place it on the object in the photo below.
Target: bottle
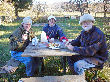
(64, 40)
(52, 39)
(43, 37)
(35, 41)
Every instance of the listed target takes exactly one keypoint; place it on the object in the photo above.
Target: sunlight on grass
(11, 24)
(4, 40)
(106, 71)
(4, 32)
(15, 23)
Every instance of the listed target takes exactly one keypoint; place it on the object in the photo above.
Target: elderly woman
(90, 44)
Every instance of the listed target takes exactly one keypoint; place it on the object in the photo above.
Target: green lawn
(70, 27)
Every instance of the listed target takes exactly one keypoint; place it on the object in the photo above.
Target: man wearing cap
(90, 44)
(52, 30)
(19, 40)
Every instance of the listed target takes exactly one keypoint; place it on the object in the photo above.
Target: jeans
(31, 63)
(82, 65)
(77, 64)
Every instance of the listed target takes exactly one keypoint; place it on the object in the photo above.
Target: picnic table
(43, 51)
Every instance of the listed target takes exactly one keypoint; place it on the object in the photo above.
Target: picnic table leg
(64, 64)
(41, 67)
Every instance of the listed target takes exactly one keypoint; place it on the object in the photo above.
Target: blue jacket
(91, 44)
(54, 32)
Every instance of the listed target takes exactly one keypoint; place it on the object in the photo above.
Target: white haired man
(90, 44)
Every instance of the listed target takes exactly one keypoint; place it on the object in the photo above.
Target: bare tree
(81, 5)
(106, 2)
(38, 10)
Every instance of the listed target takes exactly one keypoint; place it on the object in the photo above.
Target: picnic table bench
(12, 62)
(64, 78)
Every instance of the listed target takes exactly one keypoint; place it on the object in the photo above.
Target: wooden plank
(12, 62)
(65, 78)
(43, 51)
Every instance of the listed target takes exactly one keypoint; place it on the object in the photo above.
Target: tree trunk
(16, 12)
(105, 10)
(82, 11)
(104, 14)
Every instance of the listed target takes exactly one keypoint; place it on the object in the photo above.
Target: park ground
(70, 27)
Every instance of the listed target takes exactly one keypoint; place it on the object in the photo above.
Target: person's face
(27, 26)
(87, 25)
(51, 22)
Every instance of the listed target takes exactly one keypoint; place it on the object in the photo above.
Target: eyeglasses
(86, 22)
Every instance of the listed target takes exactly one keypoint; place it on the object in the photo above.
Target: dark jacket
(54, 32)
(91, 44)
(16, 42)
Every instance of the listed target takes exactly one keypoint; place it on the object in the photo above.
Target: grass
(53, 65)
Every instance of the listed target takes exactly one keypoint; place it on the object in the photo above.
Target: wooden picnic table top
(43, 51)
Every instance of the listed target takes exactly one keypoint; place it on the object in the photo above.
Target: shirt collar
(52, 26)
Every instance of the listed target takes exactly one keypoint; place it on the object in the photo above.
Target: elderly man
(90, 44)
(52, 30)
(19, 40)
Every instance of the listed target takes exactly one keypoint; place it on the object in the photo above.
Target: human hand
(51, 40)
(69, 46)
(67, 43)
(35, 41)
(24, 37)
(64, 41)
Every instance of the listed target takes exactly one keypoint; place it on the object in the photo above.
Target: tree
(21, 5)
(81, 5)
(38, 8)
(7, 12)
(106, 2)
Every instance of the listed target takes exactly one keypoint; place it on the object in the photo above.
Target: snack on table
(54, 45)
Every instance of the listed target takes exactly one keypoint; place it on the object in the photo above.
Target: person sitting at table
(19, 40)
(90, 44)
(52, 30)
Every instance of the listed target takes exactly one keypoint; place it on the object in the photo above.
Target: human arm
(18, 40)
(61, 34)
(96, 44)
